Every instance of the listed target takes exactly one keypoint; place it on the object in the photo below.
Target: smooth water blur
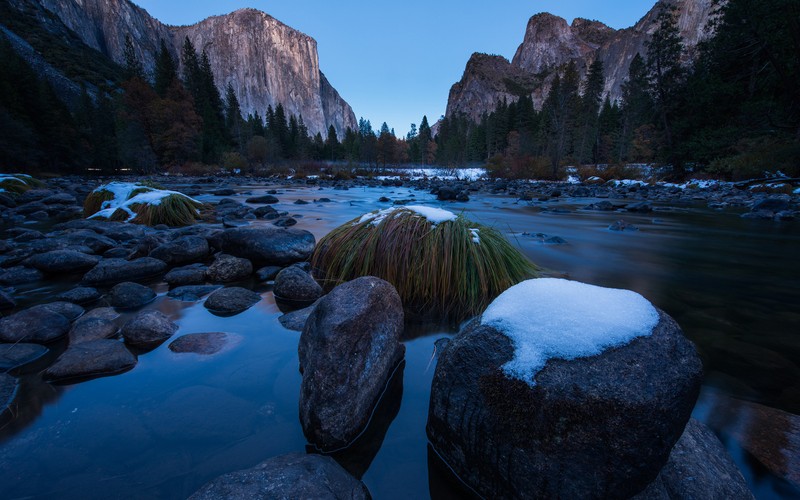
(178, 420)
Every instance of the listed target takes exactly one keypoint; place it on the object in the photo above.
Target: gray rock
(268, 273)
(20, 275)
(8, 391)
(182, 250)
(589, 426)
(771, 205)
(16, 355)
(288, 476)
(265, 212)
(231, 300)
(63, 262)
(117, 253)
(603, 206)
(91, 359)
(129, 295)
(268, 246)
(92, 328)
(67, 309)
(188, 275)
(227, 268)
(296, 320)
(296, 286)
(111, 271)
(285, 222)
(79, 295)
(267, 199)
(7, 301)
(200, 343)
(348, 350)
(148, 328)
(192, 293)
(621, 225)
(642, 207)
(224, 192)
(33, 325)
(698, 467)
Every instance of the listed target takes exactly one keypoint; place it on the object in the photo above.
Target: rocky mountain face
(264, 60)
(550, 43)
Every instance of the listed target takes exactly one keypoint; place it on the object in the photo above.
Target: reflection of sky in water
(178, 420)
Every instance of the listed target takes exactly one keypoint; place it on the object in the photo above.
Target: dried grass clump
(174, 210)
(94, 201)
(16, 184)
(447, 269)
(141, 203)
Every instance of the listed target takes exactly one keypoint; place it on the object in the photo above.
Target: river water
(178, 420)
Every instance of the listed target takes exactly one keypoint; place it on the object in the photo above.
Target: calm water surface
(178, 420)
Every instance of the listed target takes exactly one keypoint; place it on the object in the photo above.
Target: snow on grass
(14, 178)
(552, 318)
(476, 237)
(122, 200)
(434, 215)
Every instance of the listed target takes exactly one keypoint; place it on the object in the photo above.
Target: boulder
(698, 467)
(348, 350)
(192, 293)
(148, 328)
(296, 320)
(63, 262)
(79, 295)
(67, 309)
(193, 274)
(19, 275)
(268, 246)
(295, 286)
(35, 325)
(91, 359)
(268, 273)
(563, 390)
(90, 328)
(267, 199)
(182, 250)
(266, 212)
(231, 300)
(128, 295)
(227, 268)
(111, 271)
(199, 343)
(16, 355)
(296, 475)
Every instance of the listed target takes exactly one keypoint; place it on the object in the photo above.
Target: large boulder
(296, 286)
(111, 271)
(182, 250)
(148, 328)
(296, 475)
(268, 246)
(91, 359)
(37, 325)
(227, 268)
(63, 262)
(563, 390)
(348, 350)
(698, 467)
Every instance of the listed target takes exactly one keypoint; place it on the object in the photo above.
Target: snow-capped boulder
(563, 390)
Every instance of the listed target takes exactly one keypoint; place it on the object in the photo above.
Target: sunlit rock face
(264, 60)
(551, 43)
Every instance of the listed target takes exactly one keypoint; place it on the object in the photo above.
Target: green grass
(19, 183)
(438, 270)
(94, 201)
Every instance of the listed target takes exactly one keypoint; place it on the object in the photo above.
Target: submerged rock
(90, 359)
(348, 350)
(296, 475)
(231, 300)
(520, 419)
(296, 320)
(192, 293)
(199, 343)
(148, 328)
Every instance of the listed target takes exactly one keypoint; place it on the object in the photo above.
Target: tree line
(733, 112)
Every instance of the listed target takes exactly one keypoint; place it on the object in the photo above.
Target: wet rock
(285, 222)
(771, 205)
(296, 320)
(698, 467)
(642, 207)
(33, 325)
(621, 226)
(188, 275)
(192, 293)
(182, 250)
(267, 199)
(19, 275)
(231, 300)
(229, 222)
(79, 295)
(91, 359)
(361, 322)
(67, 309)
(107, 313)
(589, 426)
(603, 206)
(148, 328)
(128, 295)
(227, 268)
(446, 193)
(268, 273)
(383, 199)
(110, 271)
(268, 246)
(8, 391)
(6, 301)
(16, 355)
(296, 475)
(296, 286)
(116, 253)
(265, 212)
(199, 343)
(92, 328)
(60, 199)
(96, 242)
(224, 192)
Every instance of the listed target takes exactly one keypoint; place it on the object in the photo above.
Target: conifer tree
(166, 70)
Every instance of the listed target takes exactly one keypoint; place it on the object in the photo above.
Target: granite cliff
(550, 43)
(264, 60)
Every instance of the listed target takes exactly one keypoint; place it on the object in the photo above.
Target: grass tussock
(436, 269)
(94, 201)
(16, 184)
(174, 210)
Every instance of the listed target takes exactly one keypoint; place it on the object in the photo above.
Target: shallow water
(178, 420)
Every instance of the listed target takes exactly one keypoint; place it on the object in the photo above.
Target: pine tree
(637, 106)
(166, 71)
(233, 116)
(133, 67)
(590, 109)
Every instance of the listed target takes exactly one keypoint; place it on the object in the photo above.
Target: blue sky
(395, 61)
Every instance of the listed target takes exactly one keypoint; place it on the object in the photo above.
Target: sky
(396, 61)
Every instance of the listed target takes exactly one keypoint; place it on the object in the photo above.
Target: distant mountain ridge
(266, 61)
(550, 43)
